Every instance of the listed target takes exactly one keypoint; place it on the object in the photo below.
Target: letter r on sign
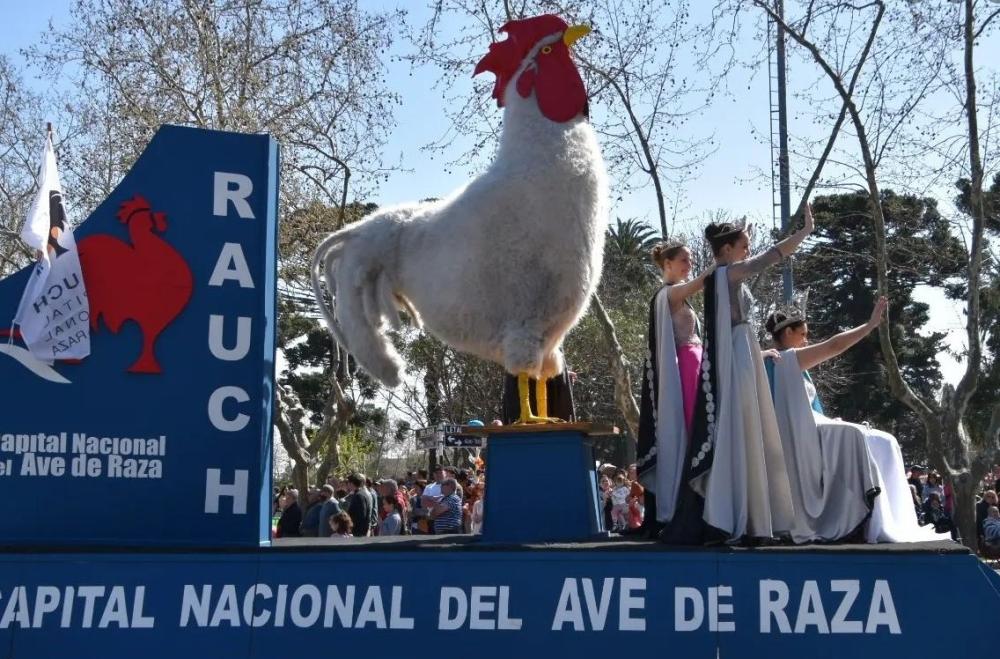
(235, 188)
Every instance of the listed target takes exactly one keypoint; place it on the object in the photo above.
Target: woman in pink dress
(670, 385)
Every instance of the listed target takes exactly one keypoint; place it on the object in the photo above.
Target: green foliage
(356, 448)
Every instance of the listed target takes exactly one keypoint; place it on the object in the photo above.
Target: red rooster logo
(147, 282)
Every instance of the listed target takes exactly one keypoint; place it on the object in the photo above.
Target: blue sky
(724, 182)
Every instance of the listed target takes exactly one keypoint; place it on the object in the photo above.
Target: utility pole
(778, 96)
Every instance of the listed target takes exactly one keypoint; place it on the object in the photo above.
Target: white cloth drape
(828, 462)
(893, 518)
(671, 435)
(747, 490)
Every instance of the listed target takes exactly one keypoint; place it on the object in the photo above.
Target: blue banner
(162, 435)
(496, 604)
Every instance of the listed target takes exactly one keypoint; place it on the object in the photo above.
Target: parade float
(136, 482)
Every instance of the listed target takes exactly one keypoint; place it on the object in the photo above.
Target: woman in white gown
(735, 482)
(836, 467)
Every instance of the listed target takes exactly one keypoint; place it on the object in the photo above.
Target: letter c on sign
(238, 422)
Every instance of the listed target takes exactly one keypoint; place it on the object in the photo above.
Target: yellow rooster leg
(541, 395)
(542, 399)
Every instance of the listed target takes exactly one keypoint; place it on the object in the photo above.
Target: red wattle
(557, 84)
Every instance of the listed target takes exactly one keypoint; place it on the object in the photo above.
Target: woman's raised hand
(879, 311)
(810, 222)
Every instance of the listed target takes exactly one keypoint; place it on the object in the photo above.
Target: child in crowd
(635, 511)
(392, 524)
(619, 503)
(341, 525)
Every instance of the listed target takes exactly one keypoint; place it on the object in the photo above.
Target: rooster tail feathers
(389, 309)
(363, 296)
(326, 251)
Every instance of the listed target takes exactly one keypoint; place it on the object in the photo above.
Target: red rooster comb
(504, 57)
(136, 204)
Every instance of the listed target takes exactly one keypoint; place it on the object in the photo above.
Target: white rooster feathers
(502, 269)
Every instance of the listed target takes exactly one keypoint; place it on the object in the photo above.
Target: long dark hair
(776, 319)
(720, 235)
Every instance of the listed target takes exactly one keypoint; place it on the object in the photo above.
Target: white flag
(53, 314)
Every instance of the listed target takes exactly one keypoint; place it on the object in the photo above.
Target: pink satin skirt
(689, 365)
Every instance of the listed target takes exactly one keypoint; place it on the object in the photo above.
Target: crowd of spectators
(450, 501)
(934, 503)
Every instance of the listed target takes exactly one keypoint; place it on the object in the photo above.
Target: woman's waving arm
(813, 355)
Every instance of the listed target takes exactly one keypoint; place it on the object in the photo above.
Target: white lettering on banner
(259, 620)
(231, 265)
(471, 609)
(811, 610)
(226, 610)
(306, 619)
(398, 621)
(46, 601)
(279, 617)
(882, 610)
(215, 415)
(774, 598)
(44, 455)
(216, 331)
(716, 608)
(840, 624)
(569, 609)
(224, 194)
(222, 606)
(683, 622)
(342, 605)
(30, 608)
(773, 606)
(192, 605)
(446, 620)
(232, 191)
(628, 601)
(115, 609)
(371, 610)
(585, 605)
(215, 489)
(42, 465)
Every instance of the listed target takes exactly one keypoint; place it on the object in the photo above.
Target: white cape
(893, 518)
(671, 434)
(746, 491)
(829, 466)
(668, 414)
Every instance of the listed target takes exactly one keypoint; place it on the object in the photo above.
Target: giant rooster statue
(504, 267)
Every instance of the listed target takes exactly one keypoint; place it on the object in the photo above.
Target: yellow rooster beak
(573, 33)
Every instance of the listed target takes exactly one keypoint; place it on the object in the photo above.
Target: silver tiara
(794, 311)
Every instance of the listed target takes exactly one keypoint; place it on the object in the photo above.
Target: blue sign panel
(696, 605)
(162, 435)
